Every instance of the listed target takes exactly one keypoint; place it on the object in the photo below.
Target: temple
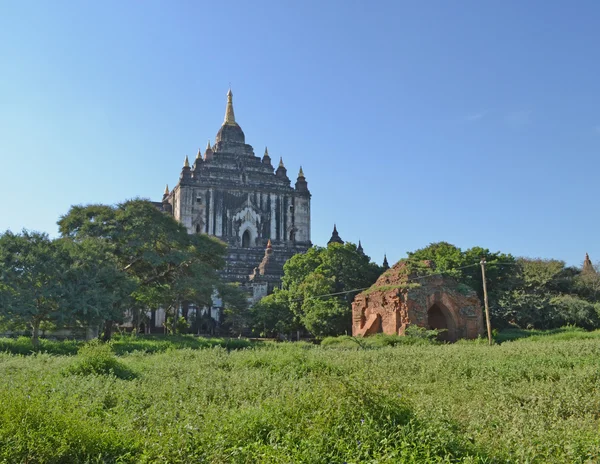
(232, 194)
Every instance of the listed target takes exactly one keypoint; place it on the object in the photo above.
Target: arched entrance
(246, 239)
(436, 319)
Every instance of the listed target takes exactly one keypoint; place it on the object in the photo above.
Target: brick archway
(441, 318)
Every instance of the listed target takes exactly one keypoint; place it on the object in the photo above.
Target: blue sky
(477, 123)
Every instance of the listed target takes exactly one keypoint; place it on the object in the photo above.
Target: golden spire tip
(186, 163)
(229, 115)
(300, 173)
(167, 189)
(281, 162)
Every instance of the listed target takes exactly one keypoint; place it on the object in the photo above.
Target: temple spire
(167, 189)
(199, 154)
(281, 162)
(229, 115)
(300, 173)
(208, 147)
(186, 163)
(335, 237)
(385, 266)
(359, 248)
(588, 267)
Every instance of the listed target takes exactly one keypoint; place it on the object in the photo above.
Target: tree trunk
(108, 329)
(175, 317)
(35, 333)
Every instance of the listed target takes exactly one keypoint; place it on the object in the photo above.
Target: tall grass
(534, 401)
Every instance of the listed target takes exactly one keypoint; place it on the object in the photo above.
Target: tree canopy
(339, 271)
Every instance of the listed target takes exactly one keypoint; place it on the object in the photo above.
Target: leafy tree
(32, 272)
(235, 308)
(535, 297)
(577, 311)
(167, 265)
(587, 285)
(272, 316)
(96, 289)
(335, 271)
(501, 273)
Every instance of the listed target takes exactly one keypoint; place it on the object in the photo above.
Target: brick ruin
(437, 302)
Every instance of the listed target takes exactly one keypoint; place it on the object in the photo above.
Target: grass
(122, 344)
(534, 400)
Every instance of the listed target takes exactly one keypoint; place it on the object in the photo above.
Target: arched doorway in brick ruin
(438, 317)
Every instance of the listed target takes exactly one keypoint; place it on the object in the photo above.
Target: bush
(97, 358)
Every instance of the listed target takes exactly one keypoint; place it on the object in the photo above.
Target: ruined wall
(391, 305)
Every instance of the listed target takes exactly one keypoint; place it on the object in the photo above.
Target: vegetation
(523, 293)
(339, 271)
(531, 400)
(110, 260)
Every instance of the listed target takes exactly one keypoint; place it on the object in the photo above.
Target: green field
(534, 399)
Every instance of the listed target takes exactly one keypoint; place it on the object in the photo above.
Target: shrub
(97, 358)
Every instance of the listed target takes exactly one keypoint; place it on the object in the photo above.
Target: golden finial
(300, 174)
(186, 163)
(266, 152)
(229, 116)
(167, 189)
(208, 147)
(281, 162)
(199, 155)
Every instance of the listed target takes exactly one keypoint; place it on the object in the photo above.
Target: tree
(32, 271)
(587, 285)
(96, 289)
(501, 273)
(272, 316)
(534, 299)
(235, 308)
(167, 265)
(322, 283)
(58, 282)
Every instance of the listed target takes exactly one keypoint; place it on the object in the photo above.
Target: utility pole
(485, 301)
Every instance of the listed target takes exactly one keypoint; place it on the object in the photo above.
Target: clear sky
(477, 123)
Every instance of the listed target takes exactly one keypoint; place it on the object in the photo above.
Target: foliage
(536, 298)
(33, 272)
(97, 358)
(235, 308)
(337, 269)
(272, 316)
(526, 293)
(413, 337)
(123, 344)
(464, 266)
(58, 282)
(300, 403)
(168, 265)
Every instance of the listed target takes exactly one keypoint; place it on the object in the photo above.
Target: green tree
(532, 302)
(58, 282)
(338, 271)
(502, 273)
(167, 265)
(96, 289)
(272, 316)
(32, 272)
(235, 308)
(587, 285)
